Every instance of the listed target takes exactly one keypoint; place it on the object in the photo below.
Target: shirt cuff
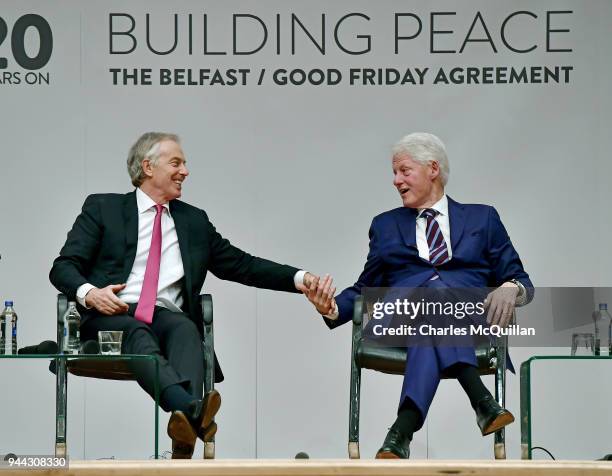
(82, 291)
(334, 314)
(298, 278)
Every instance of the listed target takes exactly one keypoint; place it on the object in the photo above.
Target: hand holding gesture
(321, 294)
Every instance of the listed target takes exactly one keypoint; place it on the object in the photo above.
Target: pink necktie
(148, 294)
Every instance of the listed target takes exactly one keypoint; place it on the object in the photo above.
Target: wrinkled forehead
(403, 158)
(171, 150)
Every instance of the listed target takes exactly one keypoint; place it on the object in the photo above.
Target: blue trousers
(425, 364)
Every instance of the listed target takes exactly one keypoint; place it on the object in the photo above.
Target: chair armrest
(358, 307)
(207, 308)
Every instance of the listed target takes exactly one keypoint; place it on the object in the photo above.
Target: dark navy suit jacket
(482, 255)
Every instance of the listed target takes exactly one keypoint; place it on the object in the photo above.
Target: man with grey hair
(434, 242)
(136, 263)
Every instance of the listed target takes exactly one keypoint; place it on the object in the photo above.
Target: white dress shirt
(171, 264)
(441, 206)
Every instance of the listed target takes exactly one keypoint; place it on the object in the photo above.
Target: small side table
(526, 394)
(61, 389)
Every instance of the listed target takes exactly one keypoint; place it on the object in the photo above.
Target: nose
(184, 170)
(397, 179)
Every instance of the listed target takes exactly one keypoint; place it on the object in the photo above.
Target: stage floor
(322, 467)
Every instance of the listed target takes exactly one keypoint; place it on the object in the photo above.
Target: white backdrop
(295, 174)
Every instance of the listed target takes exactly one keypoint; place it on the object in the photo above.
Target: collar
(145, 203)
(441, 206)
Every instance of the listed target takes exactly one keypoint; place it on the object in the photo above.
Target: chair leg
(209, 446)
(355, 395)
(525, 386)
(61, 404)
(209, 450)
(353, 444)
(209, 384)
(61, 384)
(353, 449)
(499, 447)
(209, 362)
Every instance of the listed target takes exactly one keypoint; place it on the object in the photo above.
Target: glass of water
(583, 343)
(110, 342)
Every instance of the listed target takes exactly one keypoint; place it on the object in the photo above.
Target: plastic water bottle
(8, 329)
(2, 334)
(14, 332)
(72, 337)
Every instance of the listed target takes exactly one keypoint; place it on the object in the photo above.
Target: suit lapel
(130, 219)
(406, 222)
(181, 223)
(456, 218)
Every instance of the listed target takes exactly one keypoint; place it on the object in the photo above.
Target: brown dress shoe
(207, 434)
(203, 413)
(182, 434)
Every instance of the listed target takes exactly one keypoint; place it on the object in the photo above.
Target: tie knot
(159, 208)
(429, 213)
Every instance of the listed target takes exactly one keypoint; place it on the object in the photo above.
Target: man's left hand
(500, 304)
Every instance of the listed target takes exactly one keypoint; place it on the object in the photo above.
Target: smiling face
(419, 185)
(164, 179)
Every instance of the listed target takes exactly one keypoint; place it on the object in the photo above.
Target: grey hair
(146, 147)
(424, 148)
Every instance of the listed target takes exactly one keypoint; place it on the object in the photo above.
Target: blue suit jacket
(483, 255)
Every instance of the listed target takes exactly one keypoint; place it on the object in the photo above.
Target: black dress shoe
(490, 416)
(183, 435)
(395, 446)
(202, 414)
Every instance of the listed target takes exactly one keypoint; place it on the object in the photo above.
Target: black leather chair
(392, 360)
(119, 370)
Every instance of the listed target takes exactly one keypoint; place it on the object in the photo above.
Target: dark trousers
(172, 337)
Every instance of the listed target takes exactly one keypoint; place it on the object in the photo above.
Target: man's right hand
(321, 295)
(105, 301)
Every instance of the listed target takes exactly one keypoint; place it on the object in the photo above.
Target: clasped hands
(319, 292)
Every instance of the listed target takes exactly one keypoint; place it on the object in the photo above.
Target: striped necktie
(438, 251)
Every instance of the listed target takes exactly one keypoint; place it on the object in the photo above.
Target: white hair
(424, 148)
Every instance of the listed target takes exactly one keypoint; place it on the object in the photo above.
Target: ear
(147, 168)
(434, 169)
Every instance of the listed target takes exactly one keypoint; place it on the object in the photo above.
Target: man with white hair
(434, 242)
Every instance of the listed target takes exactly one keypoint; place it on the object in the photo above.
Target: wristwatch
(521, 297)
